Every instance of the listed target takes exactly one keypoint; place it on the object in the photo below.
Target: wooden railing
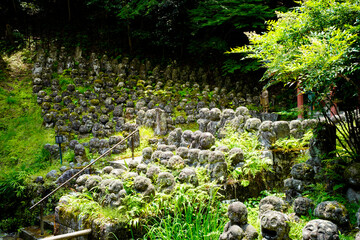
(78, 173)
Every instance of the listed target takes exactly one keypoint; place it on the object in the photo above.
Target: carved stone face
(332, 211)
(320, 230)
(237, 213)
(302, 206)
(274, 226)
(265, 94)
(234, 233)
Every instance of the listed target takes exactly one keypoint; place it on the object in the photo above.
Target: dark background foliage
(193, 31)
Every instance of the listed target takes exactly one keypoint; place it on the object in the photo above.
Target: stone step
(9, 236)
(33, 233)
(49, 222)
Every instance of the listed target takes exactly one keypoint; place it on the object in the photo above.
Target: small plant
(11, 100)
(65, 80)
(83, 89)
(288, 144)
(288, 115)
(193, 223)
(254, 163)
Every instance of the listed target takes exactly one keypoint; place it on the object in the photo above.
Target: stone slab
(33, 233)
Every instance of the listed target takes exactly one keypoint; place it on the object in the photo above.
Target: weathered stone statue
(332, 211)
(237, 227)
(274, 226)
(302, 206)
(320, 229)
(271, 203)
(144, 186)
(264, 101)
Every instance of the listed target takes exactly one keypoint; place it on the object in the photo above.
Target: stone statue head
(237, 213)
(265, 94)
(234, 233)
(302, 206)
(274, 226)
(320, 230)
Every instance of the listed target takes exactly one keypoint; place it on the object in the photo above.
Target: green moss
(94, 102)
(64, 110)
(64, 81)
(188, 126)
(22, 135)
(98, 82)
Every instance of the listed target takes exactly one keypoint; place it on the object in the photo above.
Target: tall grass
(22, 135)
(204, 222)
(22, 138)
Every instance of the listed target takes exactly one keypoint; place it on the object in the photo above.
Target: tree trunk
(69, 12)
(14, 5)
(129, 37)
(9, 34)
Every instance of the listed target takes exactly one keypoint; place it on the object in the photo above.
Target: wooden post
(333, 108)
(300, 103)
(42, 220)
(132, 148)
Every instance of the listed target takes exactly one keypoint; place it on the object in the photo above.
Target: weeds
(254, 163)
(200, 223)
(291, 143)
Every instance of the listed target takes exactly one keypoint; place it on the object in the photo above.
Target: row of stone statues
(274, 226)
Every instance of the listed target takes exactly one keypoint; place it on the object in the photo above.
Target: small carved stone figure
(143, 185)
(188, 175)
(320, 229)
(332, 211)
(234, 233)
(165, 182)
(266, 134)
(357, 237)
(264, 100)
(274, 226)
(237, 227)
(302, 206)
(271, 203)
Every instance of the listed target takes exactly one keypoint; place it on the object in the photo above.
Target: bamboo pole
(82, 170)
(69, 235)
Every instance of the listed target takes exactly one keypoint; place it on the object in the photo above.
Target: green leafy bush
(254, 163)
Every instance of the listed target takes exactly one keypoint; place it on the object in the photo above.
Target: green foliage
(214, 23)
(347, 136)
(132, 9)
(232, 65)
(2, 75)
(65, 79)
(83, 89)
(315, 45)
(191, 223)
(254, 164)
(186, 202)
(12, 183)
(240, 13)
(22, 136)
(291, 143)
(288, 115)
(318, 193)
